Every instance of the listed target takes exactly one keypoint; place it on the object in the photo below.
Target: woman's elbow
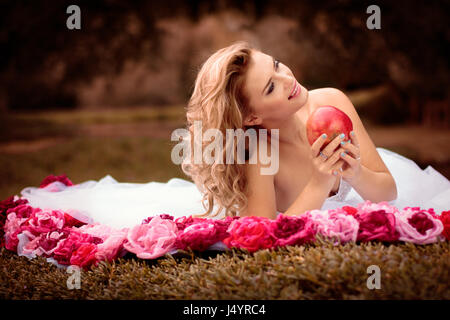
(393, 190)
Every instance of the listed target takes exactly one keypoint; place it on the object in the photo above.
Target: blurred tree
(327, 43)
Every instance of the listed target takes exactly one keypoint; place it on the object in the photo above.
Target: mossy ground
(316, 271)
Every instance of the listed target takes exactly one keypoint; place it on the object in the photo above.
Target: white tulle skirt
(120, 204)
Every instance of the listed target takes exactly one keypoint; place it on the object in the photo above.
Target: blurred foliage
(148, 52)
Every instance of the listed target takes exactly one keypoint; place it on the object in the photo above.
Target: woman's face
(272, 90)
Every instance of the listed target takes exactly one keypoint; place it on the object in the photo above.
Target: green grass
(317, 271)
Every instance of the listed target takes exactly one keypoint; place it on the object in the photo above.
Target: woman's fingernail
(343, 154)
(334, 172)
(324, 136)
(343, 142)
(342, 136)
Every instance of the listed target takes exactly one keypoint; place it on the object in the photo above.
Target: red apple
(329, 120)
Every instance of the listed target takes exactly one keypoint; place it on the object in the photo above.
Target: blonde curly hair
(219, 103)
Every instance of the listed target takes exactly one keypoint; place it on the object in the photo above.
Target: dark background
(94, 101)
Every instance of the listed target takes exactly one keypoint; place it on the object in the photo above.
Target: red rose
(65, 249)
(72, 222)
(293, 230)
(84, 256)
(421, 222)
(5, 205)
(445, 219)
(51, 178)
(377, 225)
(251, 233)
(350, 210)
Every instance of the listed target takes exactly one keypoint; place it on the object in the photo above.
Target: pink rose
(418, 227)
(84, 256)
(335, 224)
(13, 226)
(113, 240)
(162, 216)
(22, 210)
(293, 230)
(377, 225)
(251, 233)
(5, 205)
(222, 226)
(43, 221)
(367, 206)
(45, 244)
(183, 222)
(198, 236)
(64, 250)
(152, 240)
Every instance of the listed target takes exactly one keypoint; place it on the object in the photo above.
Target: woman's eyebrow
(270, 79)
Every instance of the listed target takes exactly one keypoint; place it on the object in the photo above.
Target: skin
(300, 163)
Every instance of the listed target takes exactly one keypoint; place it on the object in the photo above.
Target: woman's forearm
(312, 197)
(375, 186)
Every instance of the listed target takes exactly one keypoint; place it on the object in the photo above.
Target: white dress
(120, 204)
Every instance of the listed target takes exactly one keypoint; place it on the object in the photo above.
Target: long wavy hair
(219, 103)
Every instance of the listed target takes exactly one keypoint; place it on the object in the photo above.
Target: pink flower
(22, 210)
(13, 226)
(52, 178)
(152, 240)
(72, 222)
(337, 224)
(113, 240)
(367, 206)
(84, 256)
(45, 244)
(64, 250)
(222, 226)
(419, 227)
(162, 216)
(445, 219)
(251, 233)
(377, 225)
(9, 203)
(183, 222)
(293, 230)
(43, 221)
(198, 236)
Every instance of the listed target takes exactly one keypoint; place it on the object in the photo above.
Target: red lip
(296, 86)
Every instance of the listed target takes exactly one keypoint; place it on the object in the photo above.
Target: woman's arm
(374, 182)
(375, 186)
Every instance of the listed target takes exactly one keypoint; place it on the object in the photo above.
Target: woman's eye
(276, 64)
(271, 87)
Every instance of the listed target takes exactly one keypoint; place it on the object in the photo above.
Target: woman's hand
(326, 163)
(351, 170)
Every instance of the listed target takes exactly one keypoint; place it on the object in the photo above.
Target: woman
(240, 87)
